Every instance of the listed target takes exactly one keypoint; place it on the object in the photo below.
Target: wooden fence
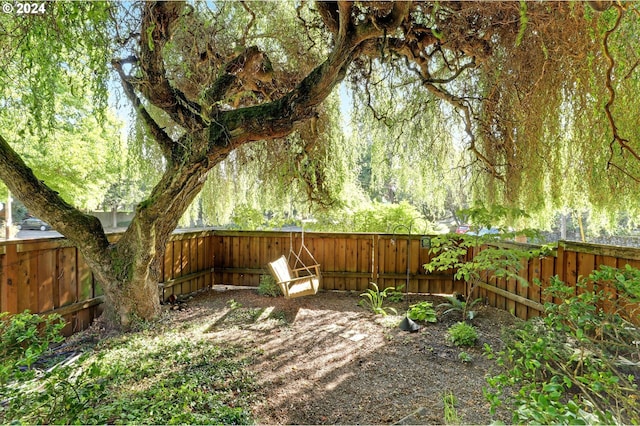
(47, 276)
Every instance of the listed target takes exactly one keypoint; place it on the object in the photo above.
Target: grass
(155, 376)
(451, 416)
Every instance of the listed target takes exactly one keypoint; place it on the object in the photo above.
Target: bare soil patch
(325, 360)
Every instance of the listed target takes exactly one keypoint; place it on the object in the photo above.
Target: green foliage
(478, 256)
(61, 394)
(234, 304)
(63, 50)
(465, 308)
(268, 287)
(24, 337)
(422, 311)
(150, 377)
(374, 300)
(578, 363)
(41, 394)
(396, 295)
(378, 217)
(465, 357)
(462, 334)
(246, 217)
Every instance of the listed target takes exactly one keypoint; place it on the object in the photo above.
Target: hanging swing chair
(299, 280)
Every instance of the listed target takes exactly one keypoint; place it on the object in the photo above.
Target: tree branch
(163, 139)
(158, 19)
(84, 230)
(624, 143)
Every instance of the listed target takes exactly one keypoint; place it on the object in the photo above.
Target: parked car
(462, 229)
(485, 231)
(34, 223)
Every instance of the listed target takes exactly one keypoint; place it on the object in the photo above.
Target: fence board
(85, 279)
(200, 250)
(402, 261)
(185, 266)
(67, 278)
(217, 252)
(535, 269)
(415, 269)
(9, 281)
(330, 264)
(193, 263)
(46, 279)
(22, 282)
(340, 263)
(365, 253)
(547, 270)
(586, 264)
(521, 310)
(351, 263)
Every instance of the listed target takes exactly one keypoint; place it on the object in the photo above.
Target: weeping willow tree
(515, 91)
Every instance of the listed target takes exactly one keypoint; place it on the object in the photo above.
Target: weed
(396, 295)
(374, 299)
(280, 316)
(462, 334)
(422, 311)
(465, 357)
(268, 286)
(233, 304)
(451, 416)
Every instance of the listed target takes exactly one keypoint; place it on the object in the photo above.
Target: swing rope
(298, 256)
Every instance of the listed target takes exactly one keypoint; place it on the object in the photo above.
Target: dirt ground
(325, 360)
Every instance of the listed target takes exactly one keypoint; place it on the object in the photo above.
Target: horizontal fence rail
(47, 276)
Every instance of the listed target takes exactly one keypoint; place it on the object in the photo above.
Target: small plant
(462, 334)
(374, 299)
(463, 306)
(422, 311)
(268, 287)
(465, 357)
(233, 304)
(451, 416)
(396, 295)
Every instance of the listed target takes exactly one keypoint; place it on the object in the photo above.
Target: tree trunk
(134, 299)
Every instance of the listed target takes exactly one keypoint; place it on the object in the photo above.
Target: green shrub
(462, 334)
(268, 286)
(23, 338)
(578, 363)
(422, 311)
(56, 394)
(489, 259)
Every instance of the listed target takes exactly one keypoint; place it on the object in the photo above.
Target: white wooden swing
(299, 280)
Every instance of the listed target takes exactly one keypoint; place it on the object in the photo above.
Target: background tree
(526, 81)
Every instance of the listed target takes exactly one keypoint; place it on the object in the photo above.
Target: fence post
(560, 266)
